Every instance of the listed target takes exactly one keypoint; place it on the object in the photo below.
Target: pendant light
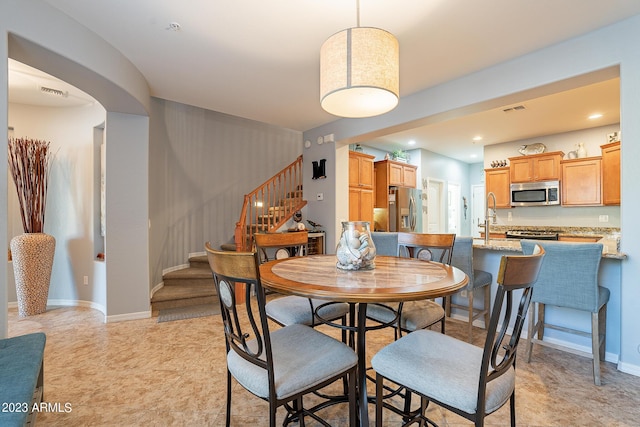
(359, 72)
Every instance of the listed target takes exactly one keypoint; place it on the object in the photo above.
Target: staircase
(186, 287)
(265, 209)
(271, 205)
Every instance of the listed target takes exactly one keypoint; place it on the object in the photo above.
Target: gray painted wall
(201, 164)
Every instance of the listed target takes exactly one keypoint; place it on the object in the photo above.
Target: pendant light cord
(358, 13)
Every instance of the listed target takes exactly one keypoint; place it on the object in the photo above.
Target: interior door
(477, 209)
(435, 206)
(454, 201)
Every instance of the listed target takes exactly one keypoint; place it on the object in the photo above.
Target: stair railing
(270, 205)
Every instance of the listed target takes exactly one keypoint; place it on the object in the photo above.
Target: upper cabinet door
(581, 182)
(360, 170)
(497, 182)
(536, 167)
(611, 174)
(521, 170)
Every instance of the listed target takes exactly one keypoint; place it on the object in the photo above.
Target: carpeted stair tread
(190, 273)
(200, 261)
(184, 302)
(183, 292)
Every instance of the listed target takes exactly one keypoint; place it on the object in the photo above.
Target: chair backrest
(517, 272)
(426, 246)
(246, 334)
(569, 274)
(462, 256)
(386, 242)
(281, 245)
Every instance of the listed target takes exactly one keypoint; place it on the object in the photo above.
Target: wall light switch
(86, 280)
(320, 197)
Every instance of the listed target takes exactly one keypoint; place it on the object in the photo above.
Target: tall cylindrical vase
(32, 263)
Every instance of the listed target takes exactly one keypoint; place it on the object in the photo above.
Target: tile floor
(173, 374)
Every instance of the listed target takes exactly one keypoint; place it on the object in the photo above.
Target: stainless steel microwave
(542, 193)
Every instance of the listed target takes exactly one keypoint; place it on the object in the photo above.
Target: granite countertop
(562, 231)
(513, 245)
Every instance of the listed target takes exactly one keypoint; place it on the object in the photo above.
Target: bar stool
(569, 278)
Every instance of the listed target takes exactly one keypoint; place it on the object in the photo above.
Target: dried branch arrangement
(29, 164)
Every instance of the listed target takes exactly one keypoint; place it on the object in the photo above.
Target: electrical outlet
(509, 217)
(320, 197)
(603, 218)
(86, 280)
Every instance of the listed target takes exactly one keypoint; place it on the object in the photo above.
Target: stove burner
(532, 234)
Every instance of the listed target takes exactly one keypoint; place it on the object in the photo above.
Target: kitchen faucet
(491, 196)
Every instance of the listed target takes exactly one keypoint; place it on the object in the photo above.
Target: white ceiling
(260, 60)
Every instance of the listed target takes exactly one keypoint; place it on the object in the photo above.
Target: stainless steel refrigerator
(405, 209)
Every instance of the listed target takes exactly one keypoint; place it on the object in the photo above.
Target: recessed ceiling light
(595, 116)
(412, 142)
(473, 156)
(477, 138)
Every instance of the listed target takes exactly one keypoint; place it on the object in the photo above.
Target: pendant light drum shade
(359, 72)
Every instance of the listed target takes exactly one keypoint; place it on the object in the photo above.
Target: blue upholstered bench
(21, 377)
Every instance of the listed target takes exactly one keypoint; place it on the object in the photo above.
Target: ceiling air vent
(54, 92)
(515, 108)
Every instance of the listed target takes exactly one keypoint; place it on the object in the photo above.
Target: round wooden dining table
(393, 279)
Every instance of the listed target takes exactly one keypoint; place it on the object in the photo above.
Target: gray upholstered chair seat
(302, 357)
(289, 310)
(442, 367)
(480, 279)
(415, 314)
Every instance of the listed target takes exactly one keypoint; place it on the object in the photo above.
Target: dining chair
(471, 381)
(291, 309)
(279, 366)
(462, 258)
(386, 242)
(569, 279)
(416, 315)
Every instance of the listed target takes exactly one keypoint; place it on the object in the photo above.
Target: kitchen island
(486, 256)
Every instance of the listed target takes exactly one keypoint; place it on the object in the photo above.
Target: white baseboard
(174, 268)
(128, 316)
(155, 289)
(195, 254)
(629, 369)
(95, 306)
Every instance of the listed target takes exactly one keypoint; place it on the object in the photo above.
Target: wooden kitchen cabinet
(390, 173)
(581, 182)
(361, 204)
(361, 186)
(579, 239)
(361, 170)
(611, 173)
(395, 174)
(498, 181)
(536, 167)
